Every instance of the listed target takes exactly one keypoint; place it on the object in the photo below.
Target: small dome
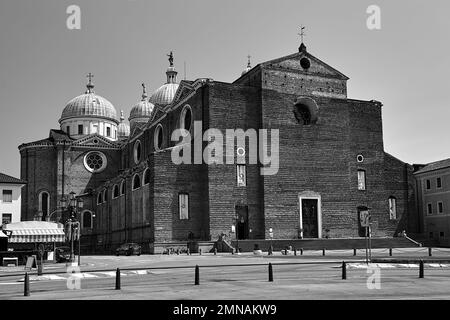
(164, 94)
(143, 109)
(123, 130)
(89, 105)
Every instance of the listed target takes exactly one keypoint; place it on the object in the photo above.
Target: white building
(10, 198)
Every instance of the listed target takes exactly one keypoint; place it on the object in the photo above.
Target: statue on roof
(170, 55)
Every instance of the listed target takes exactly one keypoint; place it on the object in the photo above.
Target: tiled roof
(4, 178)
(435, 166)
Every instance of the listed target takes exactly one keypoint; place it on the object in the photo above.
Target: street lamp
(72, 204)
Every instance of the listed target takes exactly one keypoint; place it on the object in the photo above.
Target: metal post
(344, 270)
(72, 254)
(270, 272)
(295, 251)
(197, 275)
(390, 252)
(421, 273)
(301, 251)
(367, 248)
(429, 252)
(26, 286)
(215, 251)
(354, 251)
(370, 244)
(118, 279)
(323, 251)
(79, 246)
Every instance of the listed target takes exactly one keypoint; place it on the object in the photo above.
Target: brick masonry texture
(315, 160)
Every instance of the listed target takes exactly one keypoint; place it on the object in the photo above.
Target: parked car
(62, 254)
(129, 249)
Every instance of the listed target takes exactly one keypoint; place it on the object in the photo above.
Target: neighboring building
(332, 163)
(433, 185)
(10, 198)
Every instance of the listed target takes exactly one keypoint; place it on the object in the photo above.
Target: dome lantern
(164, 95)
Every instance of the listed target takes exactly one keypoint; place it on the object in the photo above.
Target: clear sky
(123, 43)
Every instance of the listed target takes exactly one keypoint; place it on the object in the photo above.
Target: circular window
(360, 158)
(137, 151)
(159, 138)
(186, 118)
(95, 161)
(305, 63)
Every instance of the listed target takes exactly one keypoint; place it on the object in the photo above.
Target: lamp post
(72, 204)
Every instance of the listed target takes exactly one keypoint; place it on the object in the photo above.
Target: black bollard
(344, 270)
(354, 251)
(200, 251)
(197, 275)
(429, 252)
(301, 251)
(188, 252)
(421, 275)
(390, 252)
(270, 250)
(118, 279)
(295, 251)
(26, 286)
(215, 251)
(323, 252)
(270, 273)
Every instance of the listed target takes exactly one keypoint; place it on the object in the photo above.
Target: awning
(35, 231)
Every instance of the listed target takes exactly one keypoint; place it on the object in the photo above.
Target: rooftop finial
(248, 63)
(144, 92)
(121, 116)
(90, 85)
(170, 55)
(302, 34)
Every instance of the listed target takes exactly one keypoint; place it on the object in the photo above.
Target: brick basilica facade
(332, 163)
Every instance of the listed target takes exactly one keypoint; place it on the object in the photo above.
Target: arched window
(147, 176)
(392, 208)
(87, 220)
(122, 188)
(116, 191)
(105, 195)
(100, 198)
(306, 111)
(137, 151)
(361, 180)
(186, 118)
(136, 182)
(158, 137)
(44, 204)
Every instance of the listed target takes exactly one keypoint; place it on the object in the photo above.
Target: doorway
(242, 222)
(310, 223)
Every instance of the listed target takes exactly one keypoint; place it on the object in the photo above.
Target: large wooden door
(309, 218)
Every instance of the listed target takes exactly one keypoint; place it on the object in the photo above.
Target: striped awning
(35, 232)
(37, 235)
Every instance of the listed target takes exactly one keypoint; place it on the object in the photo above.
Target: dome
(164, 94)
(123, 130)
(89, 105)
(143, 109)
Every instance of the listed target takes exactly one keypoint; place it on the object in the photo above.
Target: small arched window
(147, 176)
(136, 182)
(116, 191)
(44, 204)
(158, 137)
(186, 118)
(122, 188)
(137, 151)
(87, 220)
(392, 208)
(100, 198)
(105, 195)
(306, 111)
